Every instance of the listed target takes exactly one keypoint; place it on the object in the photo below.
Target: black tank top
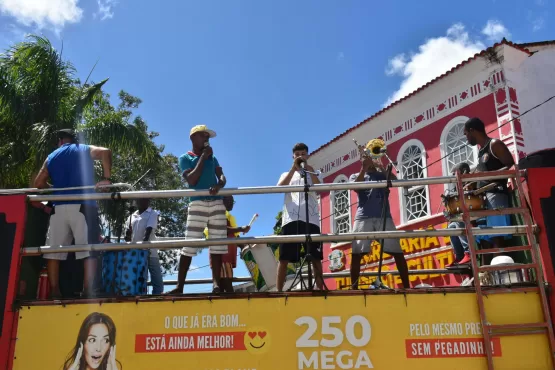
(487, 161)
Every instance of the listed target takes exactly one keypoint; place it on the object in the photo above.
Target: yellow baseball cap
(202, 128)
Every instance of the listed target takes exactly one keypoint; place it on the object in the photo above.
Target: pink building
(420, 129)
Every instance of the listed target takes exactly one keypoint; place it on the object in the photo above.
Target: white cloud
(105, 9)
(52, 14)
(434, 57)
(396, 65)
(495, 30)
(538, 23)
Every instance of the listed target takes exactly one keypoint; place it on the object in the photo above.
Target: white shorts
(67, 223)
(206, 214)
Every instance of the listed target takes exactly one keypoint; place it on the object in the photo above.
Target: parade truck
(499, 322)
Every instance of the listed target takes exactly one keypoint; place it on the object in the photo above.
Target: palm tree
(39, 94)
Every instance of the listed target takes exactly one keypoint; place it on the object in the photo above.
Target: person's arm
(129, 231)
(128, 234)
(285, 179)
(221, 179)
(500, 150)
(364, 166)
(41, 181)
(192, 175)
(151, 226)
(105, 156)
(314, 176)
(239, 229)
(148, 231)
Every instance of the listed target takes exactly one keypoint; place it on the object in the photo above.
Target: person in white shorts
(201, 170)
(369, 218)
(72, 165)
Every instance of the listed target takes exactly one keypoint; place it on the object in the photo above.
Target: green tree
(40, 94)
(160, 173)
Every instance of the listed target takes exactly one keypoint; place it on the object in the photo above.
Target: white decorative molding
(419, 119)
(506, 109)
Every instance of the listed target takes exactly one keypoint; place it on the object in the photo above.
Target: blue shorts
(496, 201)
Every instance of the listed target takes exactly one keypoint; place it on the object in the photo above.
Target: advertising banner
(423, 253)
(386, 331)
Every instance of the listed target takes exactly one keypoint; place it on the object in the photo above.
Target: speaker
(539, 159)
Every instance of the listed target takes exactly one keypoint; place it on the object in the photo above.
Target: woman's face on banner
(97, 346)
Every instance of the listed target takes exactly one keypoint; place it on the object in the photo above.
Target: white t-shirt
(140, 222)
(294, 208)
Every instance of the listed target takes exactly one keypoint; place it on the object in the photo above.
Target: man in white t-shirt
(143, 224)
(293, 218)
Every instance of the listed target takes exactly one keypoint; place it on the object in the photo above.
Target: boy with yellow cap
(201, 170)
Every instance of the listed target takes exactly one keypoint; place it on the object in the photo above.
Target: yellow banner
(386, 331)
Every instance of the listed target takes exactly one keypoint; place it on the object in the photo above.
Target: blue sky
(266, 75)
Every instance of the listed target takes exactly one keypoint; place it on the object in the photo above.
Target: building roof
(526, 45)
(520, 47)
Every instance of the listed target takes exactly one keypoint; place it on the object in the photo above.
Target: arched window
(453, 146)
(412, 165)
(340, 208)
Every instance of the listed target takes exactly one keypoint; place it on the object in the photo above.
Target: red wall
(13, 210)
(540, 193)
(430, 137)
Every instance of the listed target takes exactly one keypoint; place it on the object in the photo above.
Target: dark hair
(93, 319)
(462, 167)
(67, 134)
(476, 124)
(300, 146)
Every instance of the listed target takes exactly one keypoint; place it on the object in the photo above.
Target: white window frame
(443, 147)
(402, 199)
(333, 217)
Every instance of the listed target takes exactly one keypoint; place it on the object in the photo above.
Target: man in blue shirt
(202, 171)
(369, 218)
(72, 165)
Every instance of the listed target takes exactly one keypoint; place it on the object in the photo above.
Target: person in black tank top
(493, 156)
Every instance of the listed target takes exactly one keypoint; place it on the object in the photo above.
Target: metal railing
(53, 190)
(331, 275)
(318, 188)
(171, 243)
(203, 243)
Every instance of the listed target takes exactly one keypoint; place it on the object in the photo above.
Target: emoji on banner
(257, 340)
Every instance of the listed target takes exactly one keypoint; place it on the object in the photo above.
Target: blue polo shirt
(188, 161)
(71, 166)
(370, 201)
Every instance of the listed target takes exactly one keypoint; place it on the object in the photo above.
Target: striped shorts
(227, 271)
(202, 214)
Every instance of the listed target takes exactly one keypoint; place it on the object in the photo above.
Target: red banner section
(450, 347)
(190, 342)
(13, 209)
